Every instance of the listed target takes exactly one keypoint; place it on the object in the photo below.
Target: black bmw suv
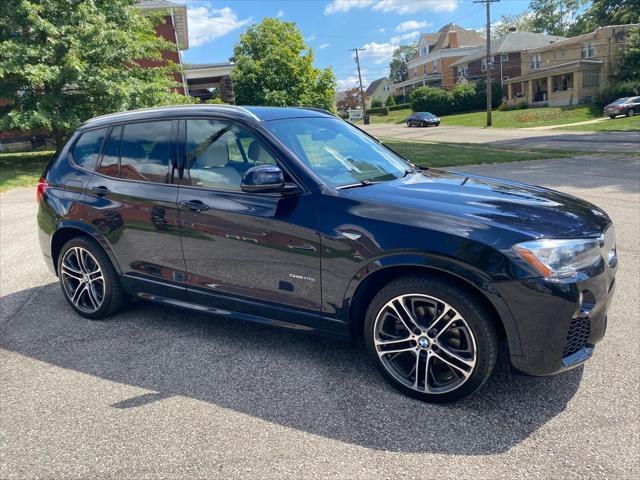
(295, 218)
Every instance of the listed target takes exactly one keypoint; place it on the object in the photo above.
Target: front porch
(431, 80)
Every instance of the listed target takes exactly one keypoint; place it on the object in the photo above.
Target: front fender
(467, 274)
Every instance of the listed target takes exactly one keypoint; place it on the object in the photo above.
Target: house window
(483, 65)
(434, 66)
(493, 63)
(415, 71)
(588, 49)
(385, 88)
(562, 83)
(591, 79)
(536, 61)
(424, 50)
(424, 69)
(504, 57)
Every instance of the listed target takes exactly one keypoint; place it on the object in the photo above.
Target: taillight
(43, 185)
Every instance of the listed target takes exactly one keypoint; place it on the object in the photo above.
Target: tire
(102, 293)
(612, 117)
(467, 339)
(437, 124)
(408, 124)
(631, 112)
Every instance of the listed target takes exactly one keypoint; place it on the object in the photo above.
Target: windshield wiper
(361, 183)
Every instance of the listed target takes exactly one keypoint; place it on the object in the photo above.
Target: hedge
(463, 98)
(379, 110)
(400, 106)
(614, 91)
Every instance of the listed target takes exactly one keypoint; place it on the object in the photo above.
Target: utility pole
(360, 80)
(488, 57)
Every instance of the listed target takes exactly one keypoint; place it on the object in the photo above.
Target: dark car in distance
(628, 106)
(423, 119)
(294, 218)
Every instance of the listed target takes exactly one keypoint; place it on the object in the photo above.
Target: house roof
(179, 12)
(374, 85)
(584, 36)
(441, 39)
(511, 42)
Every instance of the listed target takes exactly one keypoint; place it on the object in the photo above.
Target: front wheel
(430, 339)
(89, 282)
(631, 112)
(612, 117)
(408, 124)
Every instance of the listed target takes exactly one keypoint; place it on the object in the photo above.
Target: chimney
(453, 40)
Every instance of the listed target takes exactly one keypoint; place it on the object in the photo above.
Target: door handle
(100, 190)
(194, 205)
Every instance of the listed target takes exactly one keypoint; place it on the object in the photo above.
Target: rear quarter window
(87, 149)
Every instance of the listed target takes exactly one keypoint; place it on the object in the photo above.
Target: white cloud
(310, 38)
(345, 5)
(381, 29)
(411, 25)
(324, 45)
(280, 14)
(351, 81)
(402, 6)
(382, 52)
(208, 24)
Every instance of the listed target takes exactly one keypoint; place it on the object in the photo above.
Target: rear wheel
(612, 117)
(631, 112)
(430, 339)
(89, 282)
(408, 124)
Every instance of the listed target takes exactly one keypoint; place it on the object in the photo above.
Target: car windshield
(620, 100)
(337, 152)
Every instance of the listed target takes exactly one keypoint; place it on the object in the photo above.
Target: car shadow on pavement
(309, 383)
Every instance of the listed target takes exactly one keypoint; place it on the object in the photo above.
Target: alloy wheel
(424, 343)
(82, 279)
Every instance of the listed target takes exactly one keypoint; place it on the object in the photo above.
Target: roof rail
(321, 110)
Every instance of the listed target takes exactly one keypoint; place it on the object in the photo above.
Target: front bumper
(559, 322)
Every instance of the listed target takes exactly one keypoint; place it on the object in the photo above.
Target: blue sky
(331, 28)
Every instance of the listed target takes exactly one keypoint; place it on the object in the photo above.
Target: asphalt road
(514, 137)
(162, 393)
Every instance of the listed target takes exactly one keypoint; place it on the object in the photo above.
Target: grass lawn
(22, 169)
(529, 117)
(619, 124)
(449, 155)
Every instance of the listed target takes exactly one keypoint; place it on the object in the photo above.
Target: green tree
(607, 12)
(64, 61)
(274, 66)
(398, 68)
(627, 65)
(522, 22)
(555, 17)
(390, 102)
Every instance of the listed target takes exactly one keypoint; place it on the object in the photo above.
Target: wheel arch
(368, 283)
(68, 230)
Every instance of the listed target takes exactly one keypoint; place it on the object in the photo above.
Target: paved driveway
(514, 137)
(161, 393)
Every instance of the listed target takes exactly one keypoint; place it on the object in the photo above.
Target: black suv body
(264, 214)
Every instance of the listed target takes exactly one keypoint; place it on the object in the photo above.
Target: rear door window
(110, 163)
(87, 149)
(145, 151)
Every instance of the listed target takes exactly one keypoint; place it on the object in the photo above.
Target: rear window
(87, 149)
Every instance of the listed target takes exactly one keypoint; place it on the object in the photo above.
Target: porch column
(226, 90)
(404, 93)
(509, 93)
(549, 87)
(530, 91)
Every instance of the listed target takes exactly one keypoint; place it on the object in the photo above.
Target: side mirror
(266, 179)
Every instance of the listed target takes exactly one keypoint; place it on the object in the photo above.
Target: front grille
(578, 335)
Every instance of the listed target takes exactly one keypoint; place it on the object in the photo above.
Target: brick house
(505, 61)
(431, 66)
(570, 71)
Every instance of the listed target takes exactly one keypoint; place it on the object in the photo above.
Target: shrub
(617, 90)
(505, 107)
(215, 101)
(376, 102)
(379, 110)
(400, 99)
(400, 106)
(428, 99)
(390, 101)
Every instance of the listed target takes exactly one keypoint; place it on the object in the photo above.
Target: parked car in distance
(294, 218)
(423, 119)
(628, 106)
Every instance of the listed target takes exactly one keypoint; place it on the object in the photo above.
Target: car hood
(533, 211)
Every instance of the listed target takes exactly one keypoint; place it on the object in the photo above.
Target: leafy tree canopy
(349, 99)
(628, 65)
(64, 61)
(398, 68)
(555, 17)
(274, 66)
(607, 12)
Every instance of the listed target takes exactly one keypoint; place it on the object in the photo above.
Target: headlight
(561, 258)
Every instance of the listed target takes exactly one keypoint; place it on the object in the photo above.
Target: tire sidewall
(473, 313)
(99, 255)
(631, 112)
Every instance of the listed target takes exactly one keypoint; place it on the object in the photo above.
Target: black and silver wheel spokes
(425, 343)
(82, 279)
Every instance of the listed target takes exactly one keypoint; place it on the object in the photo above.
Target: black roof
(256, 114)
